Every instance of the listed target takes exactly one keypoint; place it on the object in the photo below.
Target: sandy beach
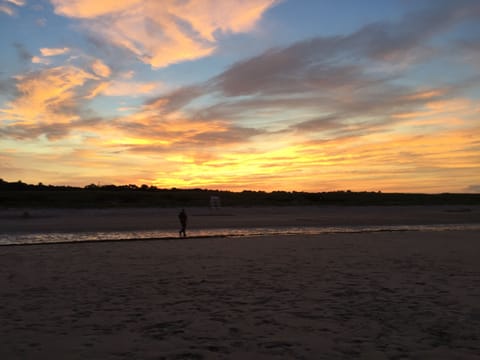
(384, 295)
(79, 220)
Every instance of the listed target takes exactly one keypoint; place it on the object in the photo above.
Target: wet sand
(388, 295)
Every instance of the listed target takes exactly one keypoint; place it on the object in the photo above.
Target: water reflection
(46, 238)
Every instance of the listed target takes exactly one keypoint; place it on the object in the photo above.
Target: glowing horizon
(242, 94)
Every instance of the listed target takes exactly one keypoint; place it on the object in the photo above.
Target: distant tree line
(19, 194)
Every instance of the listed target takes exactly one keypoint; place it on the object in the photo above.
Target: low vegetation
(19, 194)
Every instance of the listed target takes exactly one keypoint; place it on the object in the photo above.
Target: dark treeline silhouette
(20, 194)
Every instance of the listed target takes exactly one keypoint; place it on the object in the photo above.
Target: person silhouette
(182, 216)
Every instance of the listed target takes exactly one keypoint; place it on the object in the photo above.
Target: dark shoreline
(21, 195)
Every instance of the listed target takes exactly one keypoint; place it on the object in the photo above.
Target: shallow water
(53, 238)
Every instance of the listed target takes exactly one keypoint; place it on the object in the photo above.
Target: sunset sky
(306, 95)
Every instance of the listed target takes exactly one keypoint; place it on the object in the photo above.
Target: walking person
(182, 216)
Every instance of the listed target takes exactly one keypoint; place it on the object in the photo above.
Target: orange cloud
(213, 153)
(166, 32)
(40, 60)
(100, 68)
(45, 96)
(129, 88)
(440, 161)
(142, 133)
(91, 8)
(207, 17)
(54, 51)
(96, 90)
(444, 113)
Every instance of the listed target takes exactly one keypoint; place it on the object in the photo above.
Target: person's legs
(183, 231)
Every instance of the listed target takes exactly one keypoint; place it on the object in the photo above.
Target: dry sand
(74, 220)
(400, 295)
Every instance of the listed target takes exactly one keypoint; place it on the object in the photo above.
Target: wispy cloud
(100, 68)
(335, 91)
(45, 99)
(330, 112)
(47, 53)
(40, 60)
(54, 51)
(41, 22)
(167, 32)
(7, 8)
(130, 88)
(341, 77)
(335, 106)
(17, 2)
(22, 52)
